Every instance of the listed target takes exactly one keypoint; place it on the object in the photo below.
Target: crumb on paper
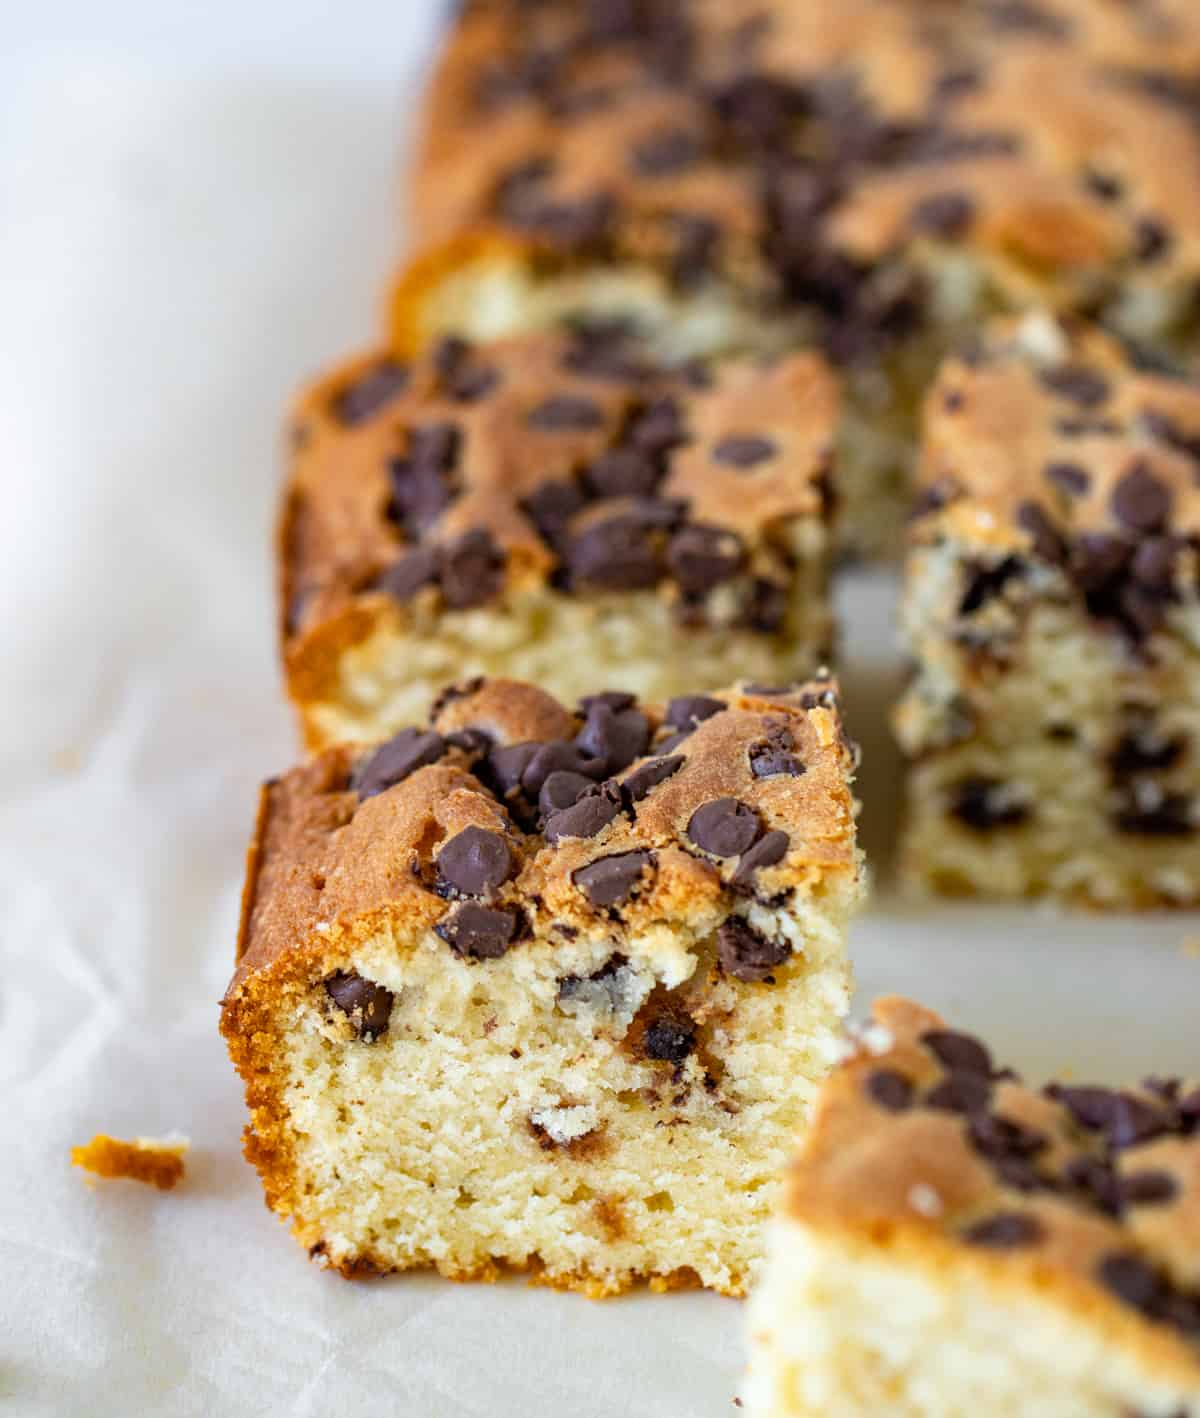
(737, 1403)
(156, 1161)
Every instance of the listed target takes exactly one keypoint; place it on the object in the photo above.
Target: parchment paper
(176, 252)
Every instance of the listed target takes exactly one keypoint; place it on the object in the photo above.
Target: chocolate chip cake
(1052, 613)
(951, 1241)
(555, 508)
(871, 174)
(548, 988)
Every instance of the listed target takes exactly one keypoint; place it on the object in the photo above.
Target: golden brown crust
(1091, 1197)
(157, 1164)
(329, 864)
(1045, 138)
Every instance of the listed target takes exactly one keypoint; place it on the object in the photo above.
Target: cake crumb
(157, 1161)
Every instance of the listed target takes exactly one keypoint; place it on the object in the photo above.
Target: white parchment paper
(177, 250)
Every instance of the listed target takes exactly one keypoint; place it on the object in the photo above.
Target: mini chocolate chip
(618, 554)
(767, 761)
(725, 827)
(566, 413)
(1007, 1230)
(609, 880)
(475, 861)
(746, 954)
(960, 1093)
(1140, 501)
(1131, 1280)
(743, 450)
(665, 153)
(960, 1052)
(702, 557)
(370, 392)
(669, 1038)
(1069, 477)
(1148, 1188)
(688, 710)
(1077, 383)
(1047, 540)
(394, 760)
(616, 738)
(589, 815)
(404, 578)
(768, 851)
(984, 804)
(478, 932)
(368, 1005)
(944, 214)
(561, 789)
(472, 570)
(891, 1090)
(650, 774)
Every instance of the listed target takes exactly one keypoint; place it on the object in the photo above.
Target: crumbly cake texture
(874, 175)
(1051, 614)
(953, 1242)
(548, 989)
(554, 508)
(158, 1162)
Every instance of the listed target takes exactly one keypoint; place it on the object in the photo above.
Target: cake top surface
(512, 818)
(918, 1135)
(560, 459)
(793, 146)
(1046, 441)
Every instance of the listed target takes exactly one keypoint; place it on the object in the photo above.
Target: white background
(198, 208)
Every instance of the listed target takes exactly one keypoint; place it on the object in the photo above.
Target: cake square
(548, 989)
(553, 508)
(1052, 616)
(867, 176)
(951, 1241)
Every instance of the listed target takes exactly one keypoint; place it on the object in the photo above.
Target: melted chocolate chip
(550, 509)
(1148, 1188)
(472, 570)
(1123, 1118)
(620, 554)
(670, 1038)
(1048, 543)
(747, 954)
(1140, 501)
(688, 710)
(1068, 477)
(561, 790)
(507, 764)
(774, 758)
(725, 827)
(891, 1090)
(623, 472)
(960, 1093)
(566, 413)
(702, 557)
(586, 817)
(475, 861)
(415, 570)
(558, 756)
(768, 851)
(1007, 1230)
(370, 392)
(984, 804)
(394, 760)
(479, 932)
(615, 737)
(367, 1005)
(1077, 383)
(608, 881)
(984, 583)
(650, 774)
(960, 1052)
(1131, 1280)
(946, 215)
(743, 450)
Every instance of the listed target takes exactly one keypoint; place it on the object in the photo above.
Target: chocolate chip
(665, 153)
(725, 827)
(997, 1138)
(766, 609)
(960, 1093)
(743, 450)
(619, 554)
(623, 472)
(1124, 1118)
(404, 578)
(394, 760)
(1153, 565)
(506, 765)
(368, 1005)
(650, 774)
(985, 582)
(475, 861)
(560, 790)
(702, 557)
(586, 817)
(657, 428)
(1007, 1230)
(984, 804)
(960, 1052)
(560, 756)
(1095, 1178)
(774, 759)
(614, 699)
(1143, 749)
(1077, 383)
(891, 1090)
(1150, 240)
(1148, 1188)
(616, 738)
(472, 570)
(746, 954)
(1131, 1280)
(688, 710)
(944, 214)
(1048, 543)
(1069, 477)
(370, 392)
(1162, 426)
(936, 495)
(566, 413)
(768, 851)
(550, 509)
(478, 932)
(609, 880)
(696, 244)
(669, 1038)
(1140, 501)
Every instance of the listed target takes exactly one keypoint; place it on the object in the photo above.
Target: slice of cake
(952, 1242)
(552, 508)
(1052, 614)
(545, 988)
(872, 175)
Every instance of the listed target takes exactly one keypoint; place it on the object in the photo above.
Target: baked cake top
(1046, 442)
(512, 819)
(793, 146)
(921, 1143)
(561, 459)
